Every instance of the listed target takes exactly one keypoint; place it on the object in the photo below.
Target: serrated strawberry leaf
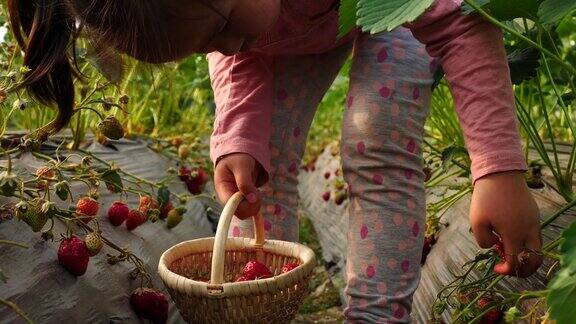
(553, 11)
(113, 181)
(562, 297)
(568, 248)
(376, 15)
(524, 64)
(507, 9)
(163, 195)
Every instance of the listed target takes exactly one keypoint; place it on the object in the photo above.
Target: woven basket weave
(205, 294)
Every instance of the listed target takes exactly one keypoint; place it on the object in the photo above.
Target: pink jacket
(470, 49)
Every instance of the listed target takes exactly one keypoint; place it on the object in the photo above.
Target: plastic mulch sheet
(455, 245)
(48, 294)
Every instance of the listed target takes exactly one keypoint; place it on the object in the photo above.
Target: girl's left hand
(502, 204)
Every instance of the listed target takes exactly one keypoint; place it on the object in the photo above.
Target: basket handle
(218, 252)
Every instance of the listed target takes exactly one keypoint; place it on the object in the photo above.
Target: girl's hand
(502, 203)
(238, 172)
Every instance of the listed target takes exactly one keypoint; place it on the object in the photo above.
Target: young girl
(271, 62)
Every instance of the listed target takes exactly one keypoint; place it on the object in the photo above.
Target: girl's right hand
(238, 172)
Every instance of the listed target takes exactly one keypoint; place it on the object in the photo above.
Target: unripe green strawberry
(93, 243)
(174, 218)
(31, 213)
(111, 128)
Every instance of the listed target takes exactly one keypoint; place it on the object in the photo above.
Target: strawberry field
(86, 211)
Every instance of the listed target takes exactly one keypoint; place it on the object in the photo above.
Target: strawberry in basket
(254, 270)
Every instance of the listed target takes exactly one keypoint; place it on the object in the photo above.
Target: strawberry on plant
(174, 217)
(111, 128)
(183, 152)
(184, 173)
(340, 197)
(289, 267)
(8, 183)
(429, 241)
(73, 255)
(150, 304)
(166, 209)
(146, 204)
(256, 270)
(93, 243)
(176, 141)
(45, 172)
(326, 196)
(87, 206)
(117, 213)
(135, 219)
(499, 248)
(32, 214)
(196, 181)
(493, 316)
(327, 175)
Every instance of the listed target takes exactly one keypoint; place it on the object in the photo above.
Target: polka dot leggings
(385, 111)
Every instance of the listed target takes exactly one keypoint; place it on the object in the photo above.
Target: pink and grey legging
(387, 105)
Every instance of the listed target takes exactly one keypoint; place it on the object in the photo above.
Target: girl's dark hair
(46, 31)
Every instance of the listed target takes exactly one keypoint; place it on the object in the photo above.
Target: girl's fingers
(483, 233)
(509, 266)
(521, 259)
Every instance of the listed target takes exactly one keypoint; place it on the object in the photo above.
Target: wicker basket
(185, 270)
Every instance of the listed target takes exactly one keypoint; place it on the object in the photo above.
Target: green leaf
(562, 297)
(163, 195)
(451, 153)
(467, 9)
(378, 15)
(113, 181)
(507, 9)
(568, 248)
(347, 16)
(524, 64)
(552, 11)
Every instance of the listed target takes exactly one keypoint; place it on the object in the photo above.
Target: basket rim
(269, 285)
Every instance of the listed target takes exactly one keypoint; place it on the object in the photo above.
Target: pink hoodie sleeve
(243, 92)
(472, 54)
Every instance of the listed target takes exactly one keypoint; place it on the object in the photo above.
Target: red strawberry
(117, 213)
(289, 267)
(196, 181)
(147, 203)
(166, 209)
(429, 241)
(184, 173)
(135, 219)
(150, 304)
(87, 206)
(256, 270)
(493, 316)
(340, 197)
(242, 278)
(73, 255)
(499, 248)
(45, 172)
(326, 196)
(327, 175)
